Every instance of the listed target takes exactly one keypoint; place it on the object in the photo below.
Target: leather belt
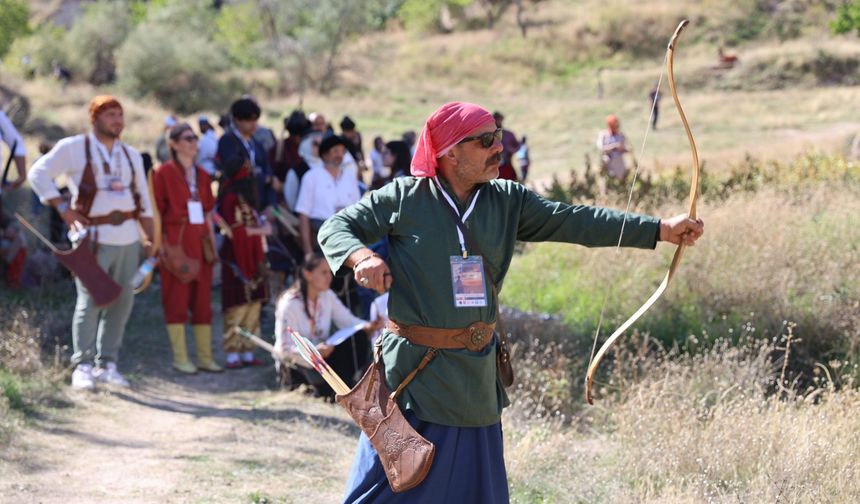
(115, 218)
(475, 337)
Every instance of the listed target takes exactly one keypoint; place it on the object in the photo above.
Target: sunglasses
(188, 138)
(487, 139)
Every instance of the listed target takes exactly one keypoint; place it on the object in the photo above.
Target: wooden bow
(156, 230)
(676, 260)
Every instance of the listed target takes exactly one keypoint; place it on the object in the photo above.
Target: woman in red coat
(184, 199)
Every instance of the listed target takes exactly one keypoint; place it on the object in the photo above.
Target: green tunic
(459, 387)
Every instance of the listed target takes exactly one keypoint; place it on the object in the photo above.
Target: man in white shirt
(207, 146)
(325, 191)
(110, 216)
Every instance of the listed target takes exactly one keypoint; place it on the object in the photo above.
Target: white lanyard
(107, 158)
(457, 210)
(249, 148)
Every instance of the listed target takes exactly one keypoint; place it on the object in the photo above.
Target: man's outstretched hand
(681, 229)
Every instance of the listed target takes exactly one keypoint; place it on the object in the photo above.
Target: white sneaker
(108, 374)
(82, 377)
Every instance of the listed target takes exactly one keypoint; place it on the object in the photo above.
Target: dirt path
(229, 437)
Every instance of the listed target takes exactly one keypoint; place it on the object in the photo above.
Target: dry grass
(766, 257)
(26, 381)
(704, 428)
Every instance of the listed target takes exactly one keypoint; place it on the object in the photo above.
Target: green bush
(847, 18)
(44, 45)
(94, 40)
(13, 22)
(638, 33)
(177, 67)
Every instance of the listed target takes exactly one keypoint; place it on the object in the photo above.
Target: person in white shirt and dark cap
(207, 146)
(324, 191)
(110, 198)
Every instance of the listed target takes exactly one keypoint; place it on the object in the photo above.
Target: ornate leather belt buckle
(477, 339)
(116, 218)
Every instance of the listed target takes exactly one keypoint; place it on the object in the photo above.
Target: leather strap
(475, 337)
(472, 244)
(116, 218)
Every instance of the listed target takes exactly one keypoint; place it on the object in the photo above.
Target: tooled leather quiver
(405, 455)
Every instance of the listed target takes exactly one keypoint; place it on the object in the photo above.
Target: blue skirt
(468, 468)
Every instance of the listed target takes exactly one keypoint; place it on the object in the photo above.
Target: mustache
(496, 159)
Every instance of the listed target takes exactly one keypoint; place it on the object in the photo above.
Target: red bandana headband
(443, 130)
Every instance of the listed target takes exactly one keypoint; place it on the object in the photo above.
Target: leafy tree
(301, 39)
(239, 30)
(13, 22)
(847, 18)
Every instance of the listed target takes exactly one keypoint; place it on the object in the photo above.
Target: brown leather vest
(87, 187)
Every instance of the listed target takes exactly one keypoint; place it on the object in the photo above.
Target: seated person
(309, 307)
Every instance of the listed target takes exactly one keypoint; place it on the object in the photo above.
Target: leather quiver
(83, 264)
(405, 455)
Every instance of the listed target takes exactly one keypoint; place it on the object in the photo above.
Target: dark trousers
(347, 360)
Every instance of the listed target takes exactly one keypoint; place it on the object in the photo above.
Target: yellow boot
(203, 338)
(176, 333)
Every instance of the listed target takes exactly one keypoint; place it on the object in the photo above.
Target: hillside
(784, 97)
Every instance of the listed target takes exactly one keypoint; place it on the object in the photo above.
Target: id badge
(115, 186)
(467, 278)
(195, 212)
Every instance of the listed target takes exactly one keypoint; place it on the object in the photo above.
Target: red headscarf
(445, 128)
(101, 103)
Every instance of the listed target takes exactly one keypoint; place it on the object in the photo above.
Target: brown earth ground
(229, 437)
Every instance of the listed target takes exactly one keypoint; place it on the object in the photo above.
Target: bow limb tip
(683, 24)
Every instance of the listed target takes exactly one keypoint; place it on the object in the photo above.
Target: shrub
(94, 40)
(44, 45)
(637, 33)
(13, 22)
(177, 67)
(25, 381)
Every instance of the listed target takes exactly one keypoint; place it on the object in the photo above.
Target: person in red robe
(183, 194)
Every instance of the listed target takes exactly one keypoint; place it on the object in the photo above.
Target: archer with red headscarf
(613, 144)
(452, 228)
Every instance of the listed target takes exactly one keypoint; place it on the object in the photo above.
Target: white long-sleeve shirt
(290, 312)
(68, 158)
(207, 148)
(10, 136)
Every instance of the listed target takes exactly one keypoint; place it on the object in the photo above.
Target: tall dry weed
(696, 428)
(707, 428)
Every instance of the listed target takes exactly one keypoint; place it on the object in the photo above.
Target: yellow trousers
(246, 316)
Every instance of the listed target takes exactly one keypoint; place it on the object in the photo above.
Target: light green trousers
(97, 332)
